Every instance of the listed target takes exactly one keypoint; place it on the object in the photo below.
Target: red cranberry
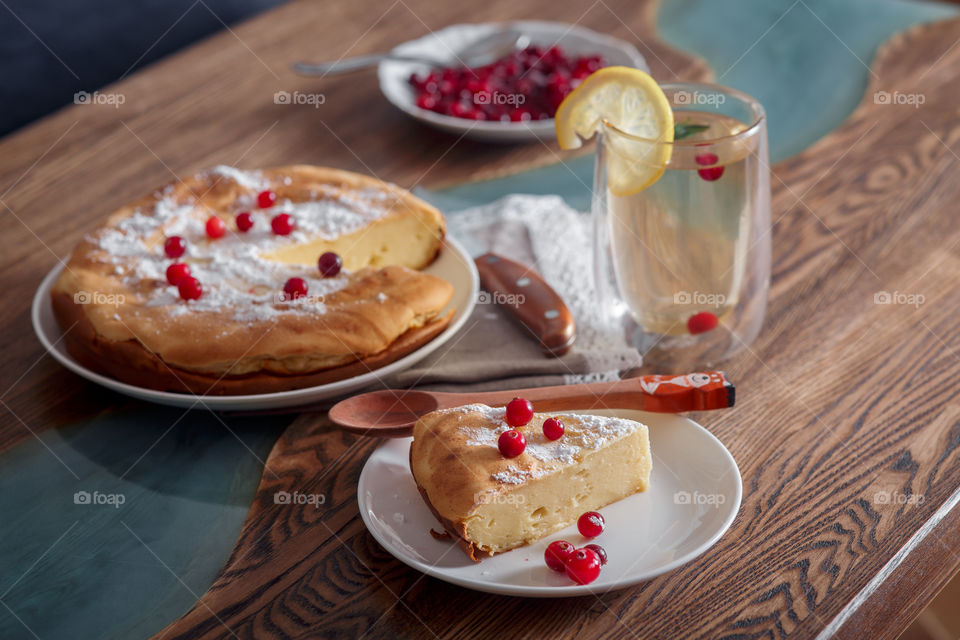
(552, 428)
(329, 264)
(459, 110)
(295, 288)
(266, 199)
(519, 412)
(590, 524)
(557, 554)
(712, 173)
(244, 221)
(177, 272)
(583, 566)
(215, 227)
(542, 77)
(600, 551)
(701, 322)
(556, 95)
(190, 288)
(427, 101)
(706, 159)
(175, 246)
(283, 224)
(511, 443)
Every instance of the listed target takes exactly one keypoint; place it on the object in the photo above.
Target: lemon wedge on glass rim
(632, 102)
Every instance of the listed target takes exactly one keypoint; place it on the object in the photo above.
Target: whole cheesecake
(245, 333)
(491, 504)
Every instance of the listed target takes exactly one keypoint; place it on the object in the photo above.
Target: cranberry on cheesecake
(237, 282)
(495, 491)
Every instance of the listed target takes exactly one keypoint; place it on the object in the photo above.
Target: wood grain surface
(845, 402)
(841, 400)
(213, 104)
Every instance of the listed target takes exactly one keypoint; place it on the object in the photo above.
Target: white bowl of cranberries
(512, 99)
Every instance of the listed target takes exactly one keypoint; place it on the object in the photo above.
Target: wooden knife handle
(530, 300)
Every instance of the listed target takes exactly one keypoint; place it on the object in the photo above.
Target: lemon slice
(631, 101)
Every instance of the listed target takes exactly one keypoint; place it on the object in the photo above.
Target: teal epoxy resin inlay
(113, 528)
(806, 61)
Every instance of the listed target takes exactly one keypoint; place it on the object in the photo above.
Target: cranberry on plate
(591, 524)
(583, 566)
(557, 554)
(528, 84)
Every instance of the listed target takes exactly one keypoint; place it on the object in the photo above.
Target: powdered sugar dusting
(599, 431)
(583, 433)
(328, 219)
(512, 476)
(246, 179)
(233, 271)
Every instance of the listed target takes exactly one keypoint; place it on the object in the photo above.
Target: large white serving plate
(454, 265)
(694, 496)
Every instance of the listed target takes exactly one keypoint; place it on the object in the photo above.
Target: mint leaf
(683, 130)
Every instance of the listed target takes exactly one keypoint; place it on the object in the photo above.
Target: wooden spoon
(393, 412)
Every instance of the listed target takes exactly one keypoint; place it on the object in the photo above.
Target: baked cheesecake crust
(130, 362)
(121, 317)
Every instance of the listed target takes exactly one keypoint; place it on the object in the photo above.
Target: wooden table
(842, 400)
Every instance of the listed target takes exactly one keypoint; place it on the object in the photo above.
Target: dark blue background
(99, 40)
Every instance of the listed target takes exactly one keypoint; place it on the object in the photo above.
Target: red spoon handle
(701, 391)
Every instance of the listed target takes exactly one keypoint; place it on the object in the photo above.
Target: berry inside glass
(528, 84)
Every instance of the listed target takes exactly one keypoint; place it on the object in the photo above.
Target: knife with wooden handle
(526, 296)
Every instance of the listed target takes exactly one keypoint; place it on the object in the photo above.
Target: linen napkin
(492, 351)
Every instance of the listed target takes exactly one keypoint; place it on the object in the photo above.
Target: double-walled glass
(685, 261)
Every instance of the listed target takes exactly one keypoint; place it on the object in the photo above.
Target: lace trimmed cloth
(492, 351)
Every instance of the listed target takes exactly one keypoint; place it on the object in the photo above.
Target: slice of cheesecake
(491, 504)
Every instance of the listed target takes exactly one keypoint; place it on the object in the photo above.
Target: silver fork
(480, 52)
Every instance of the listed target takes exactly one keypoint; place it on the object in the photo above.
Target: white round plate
(453, 264)
(694, 496)
(443, 44)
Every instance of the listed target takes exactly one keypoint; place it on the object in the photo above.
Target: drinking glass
(684, 263)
